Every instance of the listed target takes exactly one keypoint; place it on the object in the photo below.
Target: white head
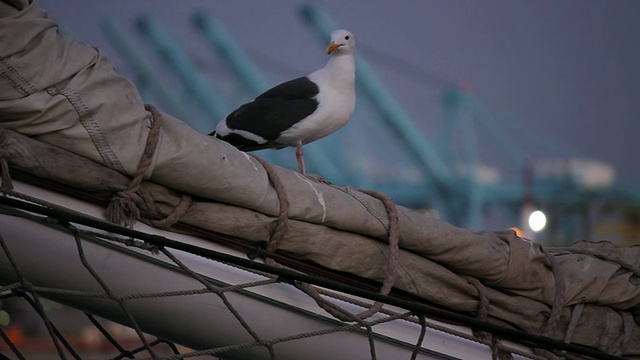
(342, 42)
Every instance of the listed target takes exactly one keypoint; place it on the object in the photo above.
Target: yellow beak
(332, 47)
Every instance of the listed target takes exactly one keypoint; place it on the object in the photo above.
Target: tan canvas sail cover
(66, 115)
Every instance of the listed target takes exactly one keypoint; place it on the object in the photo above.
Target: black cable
(287, 275)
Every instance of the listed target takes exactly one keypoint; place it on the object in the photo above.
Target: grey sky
(568, 70)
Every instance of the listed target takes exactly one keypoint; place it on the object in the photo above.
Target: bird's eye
(346, 37)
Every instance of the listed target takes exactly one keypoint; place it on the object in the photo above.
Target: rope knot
(122, 209)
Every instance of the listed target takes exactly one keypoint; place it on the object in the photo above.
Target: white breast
(333, 112)
(336, 103)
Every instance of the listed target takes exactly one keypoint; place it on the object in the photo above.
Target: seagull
(298, 111)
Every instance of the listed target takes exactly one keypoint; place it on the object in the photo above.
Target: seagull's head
(342, 41)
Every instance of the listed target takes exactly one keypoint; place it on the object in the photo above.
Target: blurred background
(479, 113)
(490, 115)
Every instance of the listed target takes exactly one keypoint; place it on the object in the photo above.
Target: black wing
(276, 110)
(300, 88)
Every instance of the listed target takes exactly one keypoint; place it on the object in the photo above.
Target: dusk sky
(565, 72)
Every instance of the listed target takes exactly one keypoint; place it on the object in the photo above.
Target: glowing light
(537, 220)
(517, 230)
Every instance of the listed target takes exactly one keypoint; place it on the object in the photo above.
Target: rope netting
(58, 218)
(83, 230)
(344, 308)
(147, 346)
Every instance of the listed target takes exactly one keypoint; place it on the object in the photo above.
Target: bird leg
(303, 171)
(300, 158)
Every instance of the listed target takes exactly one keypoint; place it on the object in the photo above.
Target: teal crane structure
(436, 178)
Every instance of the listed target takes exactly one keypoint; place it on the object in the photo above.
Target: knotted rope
(280, 230)
(175, 216)
(281, 223)
(122, 209)
(394, 240)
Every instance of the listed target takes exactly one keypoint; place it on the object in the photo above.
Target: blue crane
(425, 172)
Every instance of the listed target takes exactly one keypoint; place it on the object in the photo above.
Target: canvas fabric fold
(67, 116)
